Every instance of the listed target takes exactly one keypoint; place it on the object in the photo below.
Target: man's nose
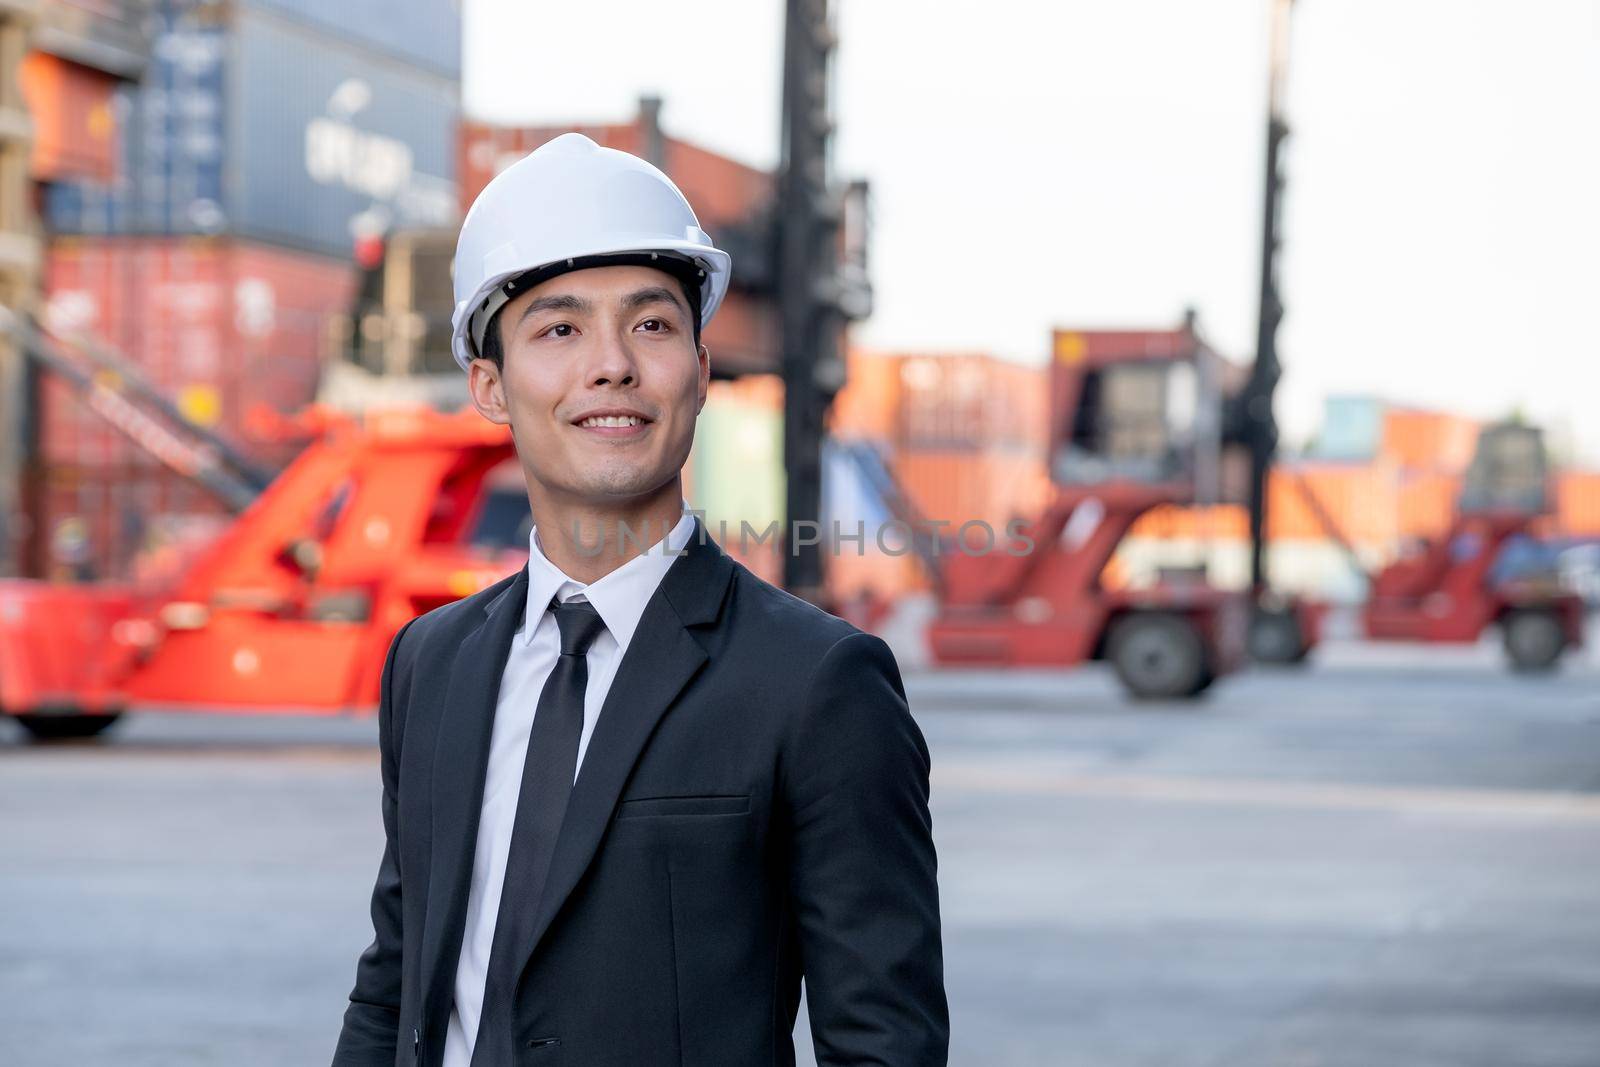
(612, 362)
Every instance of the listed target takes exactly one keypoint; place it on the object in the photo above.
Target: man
(633, 794)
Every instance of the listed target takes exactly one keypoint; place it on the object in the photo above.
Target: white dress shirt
(619, 598)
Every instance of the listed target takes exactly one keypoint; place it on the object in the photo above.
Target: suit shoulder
(779, 618)
(448, 622)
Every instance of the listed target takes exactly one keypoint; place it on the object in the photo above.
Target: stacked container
(1578, 504)
(964, 436)
(964, 433)
(263, 139)
(217, 324)
(74, 133)
(253, 120)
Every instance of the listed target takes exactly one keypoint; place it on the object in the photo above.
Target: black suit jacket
(752, 807)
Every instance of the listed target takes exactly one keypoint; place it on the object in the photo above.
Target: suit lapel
(461, 758)
(661, 659)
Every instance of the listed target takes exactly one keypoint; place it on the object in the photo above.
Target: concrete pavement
(1389, 858)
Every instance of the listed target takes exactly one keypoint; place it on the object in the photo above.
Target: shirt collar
(619, 597)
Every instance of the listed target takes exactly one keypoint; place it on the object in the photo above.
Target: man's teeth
(612, 420)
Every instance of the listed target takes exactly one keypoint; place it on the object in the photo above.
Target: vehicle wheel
(1275, 637)
(48, 727)
(1158, 657)
(1534, 640)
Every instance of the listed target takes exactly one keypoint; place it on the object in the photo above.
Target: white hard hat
(561, 206)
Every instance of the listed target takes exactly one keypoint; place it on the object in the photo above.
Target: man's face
(601, 383)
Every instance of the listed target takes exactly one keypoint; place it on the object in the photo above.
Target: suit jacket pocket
(647, 807)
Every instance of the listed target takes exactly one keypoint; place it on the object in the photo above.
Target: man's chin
(616, 489)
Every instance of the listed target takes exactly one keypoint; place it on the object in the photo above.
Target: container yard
(252, 123)
(1240, 585)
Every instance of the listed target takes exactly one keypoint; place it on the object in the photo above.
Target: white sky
(1098, 162)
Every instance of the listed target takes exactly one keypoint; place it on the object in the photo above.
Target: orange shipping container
(1577, 498)
(972, 401)
(1427, 440)
(951, 402)
(958, 486)
(868, 406)
(1363, 500)
(1224, 522)
(74, 131)
(1427, 502)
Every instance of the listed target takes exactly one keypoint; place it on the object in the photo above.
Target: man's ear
(703, 355)
(488, 392)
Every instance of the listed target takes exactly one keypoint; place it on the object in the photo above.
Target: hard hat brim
(716, 264)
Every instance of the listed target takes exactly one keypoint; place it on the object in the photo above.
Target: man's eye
(652, 326)
(560, 329)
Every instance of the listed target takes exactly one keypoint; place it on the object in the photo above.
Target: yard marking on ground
(1406, 800)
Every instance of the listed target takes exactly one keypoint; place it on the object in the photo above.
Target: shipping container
(122, 523)
(250, 124)
(946, 402)
(724, 191)
(1364, 500)
(1578, 503)
(105, 35)
(1426, 503)
(958, 486)
(74, 131)
(1352, 428)
(219, 325)
(1372, 505)
(868, 406)
(1428, 440)
(1173, 522)
(422, 33)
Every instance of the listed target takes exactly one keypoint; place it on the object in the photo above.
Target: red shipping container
(74, 131)
(219, 325)
(723, 191)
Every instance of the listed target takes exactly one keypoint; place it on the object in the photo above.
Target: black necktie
(547, 774)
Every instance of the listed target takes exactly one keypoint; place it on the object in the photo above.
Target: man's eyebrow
(558, 302)
(651, 294)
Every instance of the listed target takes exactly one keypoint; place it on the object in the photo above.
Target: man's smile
(614, 423)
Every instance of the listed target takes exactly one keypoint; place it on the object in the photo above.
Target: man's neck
(587, 542)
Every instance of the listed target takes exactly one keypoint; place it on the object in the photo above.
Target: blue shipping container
(426, 33)
(260, 127)
(1352, 428)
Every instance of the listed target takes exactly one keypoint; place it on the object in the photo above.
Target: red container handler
(59, 647)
